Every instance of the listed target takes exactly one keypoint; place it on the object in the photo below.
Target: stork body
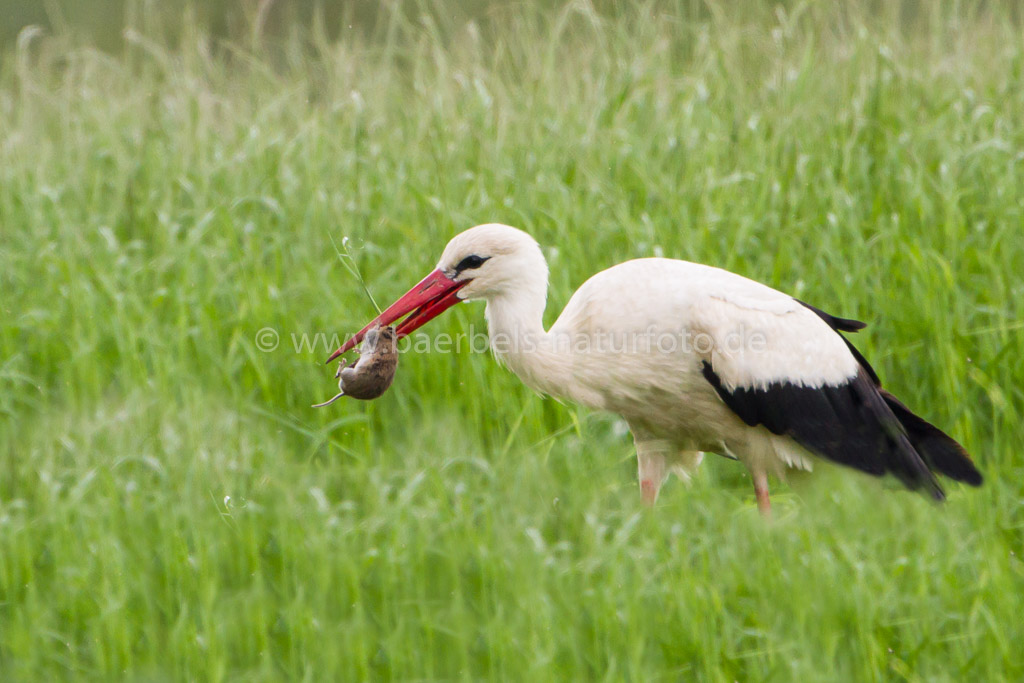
(694, 358)
(633, 339)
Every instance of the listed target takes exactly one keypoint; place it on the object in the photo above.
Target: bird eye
(470, 262)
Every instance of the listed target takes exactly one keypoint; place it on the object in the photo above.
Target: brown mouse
(371, 375)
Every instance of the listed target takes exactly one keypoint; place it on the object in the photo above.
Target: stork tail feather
(939, 450)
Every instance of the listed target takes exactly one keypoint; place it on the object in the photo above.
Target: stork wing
(779, 363)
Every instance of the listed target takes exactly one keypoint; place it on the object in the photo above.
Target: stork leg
(764, 505)
(651, 467)
(652, 472)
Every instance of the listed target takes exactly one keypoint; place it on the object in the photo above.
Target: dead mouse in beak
(371, 376)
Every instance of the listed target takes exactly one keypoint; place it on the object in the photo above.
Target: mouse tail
(330, 401)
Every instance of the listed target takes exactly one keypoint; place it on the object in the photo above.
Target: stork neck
(518, 339)
(515, 322)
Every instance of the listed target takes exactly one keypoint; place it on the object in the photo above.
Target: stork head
(492, 259)
(484, 262)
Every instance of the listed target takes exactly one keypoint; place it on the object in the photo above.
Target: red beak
(431, 297)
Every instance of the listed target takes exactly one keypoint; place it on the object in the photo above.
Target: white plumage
(694, 358)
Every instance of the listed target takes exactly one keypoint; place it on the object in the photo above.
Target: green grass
(171, 508)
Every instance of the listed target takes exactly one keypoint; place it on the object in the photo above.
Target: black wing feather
(939, 450)
(856, 423)
(836, 323)
(845, 325)
(850, 424)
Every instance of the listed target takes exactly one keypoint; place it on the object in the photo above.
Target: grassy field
(171, 508)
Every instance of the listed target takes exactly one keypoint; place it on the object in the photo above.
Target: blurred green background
(174, 180)
(102, 22)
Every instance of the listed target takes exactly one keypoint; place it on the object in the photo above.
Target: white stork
(694, 358)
